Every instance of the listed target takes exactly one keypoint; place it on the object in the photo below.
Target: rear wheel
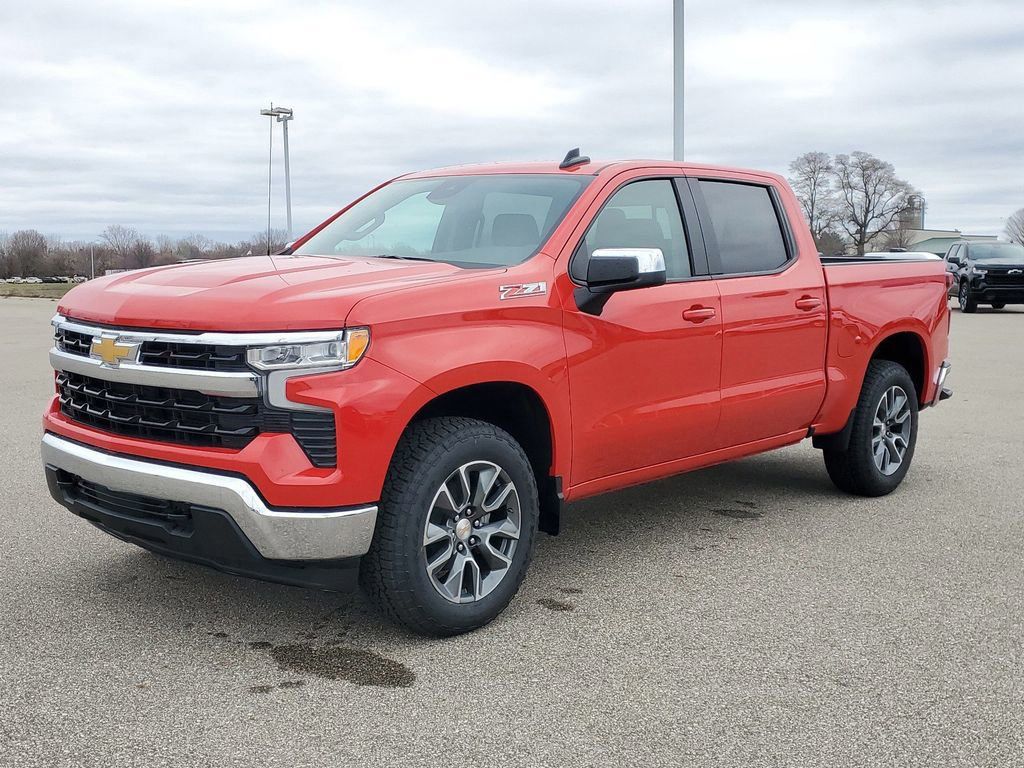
(455, 529)
(967, 302)
(882, 436)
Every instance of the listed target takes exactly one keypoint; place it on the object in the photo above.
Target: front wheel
(967, 303)
(455, 529)
(882, 436)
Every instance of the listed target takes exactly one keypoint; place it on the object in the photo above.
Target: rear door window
(746, 227)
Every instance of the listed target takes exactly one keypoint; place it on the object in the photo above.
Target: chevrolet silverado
(412, 390)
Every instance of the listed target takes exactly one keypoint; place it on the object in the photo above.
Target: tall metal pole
(270, 177)
(282, 115)
(287, 173)
(678, 78)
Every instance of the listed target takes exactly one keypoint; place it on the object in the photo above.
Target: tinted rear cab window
(746, 227)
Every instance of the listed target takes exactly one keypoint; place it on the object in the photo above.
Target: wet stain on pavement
(264, 689)
(337, 663)
(570, 590)
(556, 605)
(739, 514)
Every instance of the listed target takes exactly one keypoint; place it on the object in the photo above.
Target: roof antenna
(572, 159)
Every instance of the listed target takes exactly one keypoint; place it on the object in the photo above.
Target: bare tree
(1015, 227)
(121, 240)
(871, 197)
(812, 178)
(901, 236)
(258, 242)
(141, 254)
(26, 252)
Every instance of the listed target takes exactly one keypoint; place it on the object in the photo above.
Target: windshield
(1002, 251)
(468, 221)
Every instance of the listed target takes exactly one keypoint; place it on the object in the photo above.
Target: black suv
(987, 273)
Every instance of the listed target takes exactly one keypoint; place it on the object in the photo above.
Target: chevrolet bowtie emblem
(110, 352)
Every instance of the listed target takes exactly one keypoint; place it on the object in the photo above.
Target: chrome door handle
(698, 314)
(807, 303)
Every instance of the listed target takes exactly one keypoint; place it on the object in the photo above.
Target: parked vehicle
(987, 272)
(416, 387)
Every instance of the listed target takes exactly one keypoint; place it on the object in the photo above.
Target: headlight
(338, 353)
(978, 272)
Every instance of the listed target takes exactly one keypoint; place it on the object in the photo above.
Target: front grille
(176, 516)
(204, 357)
(1003, 279)
(190, 418)
(166, 354)
(73, 342)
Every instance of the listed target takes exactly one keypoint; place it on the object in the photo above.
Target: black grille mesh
(190, 418)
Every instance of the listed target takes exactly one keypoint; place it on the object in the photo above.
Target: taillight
(949, 281)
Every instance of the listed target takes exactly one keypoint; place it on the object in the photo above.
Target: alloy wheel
(471, 532)
(890, 434)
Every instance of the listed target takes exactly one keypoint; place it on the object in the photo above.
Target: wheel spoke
(498, 500)
(440, 559)
(435, 533)
(496, 559)
(898, 401)
(506, 529)
(485, 480)
(452, 585)
(880, 459)
(445, 501)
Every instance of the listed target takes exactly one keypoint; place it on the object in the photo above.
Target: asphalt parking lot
(744, 615)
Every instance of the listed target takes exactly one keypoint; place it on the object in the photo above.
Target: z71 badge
(521, 290)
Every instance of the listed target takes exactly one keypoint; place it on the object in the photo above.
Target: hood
(254, 293)
(1000, 263)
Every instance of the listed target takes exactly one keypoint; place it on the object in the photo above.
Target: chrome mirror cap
(648, 260)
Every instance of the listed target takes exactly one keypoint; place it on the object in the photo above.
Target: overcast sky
(147, 113)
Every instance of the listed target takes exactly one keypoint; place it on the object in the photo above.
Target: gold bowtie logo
(109, 351)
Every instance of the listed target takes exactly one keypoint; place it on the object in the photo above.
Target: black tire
(998, 305)
(854, 470)
(968, 303)
(394, 572)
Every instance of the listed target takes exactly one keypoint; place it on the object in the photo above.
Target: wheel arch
(909, 349)
(904, 346)
(520, 410)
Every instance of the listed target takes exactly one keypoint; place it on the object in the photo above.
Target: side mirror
(619, 269)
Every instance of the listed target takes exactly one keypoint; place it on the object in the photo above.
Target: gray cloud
(146, 113)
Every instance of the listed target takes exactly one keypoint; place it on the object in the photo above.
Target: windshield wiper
(404, 258)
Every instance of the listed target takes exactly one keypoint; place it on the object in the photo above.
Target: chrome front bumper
(277, 534)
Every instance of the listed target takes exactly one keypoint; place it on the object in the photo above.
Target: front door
(644, 374)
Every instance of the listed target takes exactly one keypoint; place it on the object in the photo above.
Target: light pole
(678, 71)
(282, 115)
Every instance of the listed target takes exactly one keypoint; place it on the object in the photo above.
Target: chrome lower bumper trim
(941, 393)
(223, 384)
(278, 534)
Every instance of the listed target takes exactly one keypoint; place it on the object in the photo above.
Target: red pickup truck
(413, 389)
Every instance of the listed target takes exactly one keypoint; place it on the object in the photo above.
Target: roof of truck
(591, 168)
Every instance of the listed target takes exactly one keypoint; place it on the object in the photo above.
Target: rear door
(644, 374)
(773, 310)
